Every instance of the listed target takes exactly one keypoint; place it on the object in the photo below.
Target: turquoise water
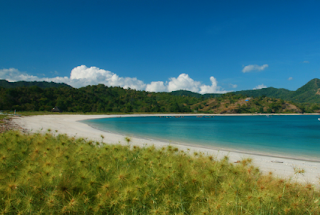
(277, 135)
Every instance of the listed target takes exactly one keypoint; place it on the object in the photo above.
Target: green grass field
(53, 174)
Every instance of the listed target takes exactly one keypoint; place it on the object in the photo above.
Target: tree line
(104, 99)
(97, 98)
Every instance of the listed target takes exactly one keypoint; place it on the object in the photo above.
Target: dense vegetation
(97, 98)
(309, 93)
(53, 174)
(103, 99)
(41, 84)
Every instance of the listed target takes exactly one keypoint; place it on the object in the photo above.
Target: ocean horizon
(294, 136)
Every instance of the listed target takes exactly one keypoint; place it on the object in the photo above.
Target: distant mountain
(269, 92)
(41, 84)
(309, 93)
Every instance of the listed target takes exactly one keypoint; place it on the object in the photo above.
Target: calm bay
(279, 135)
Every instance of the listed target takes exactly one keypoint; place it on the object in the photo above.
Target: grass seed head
(128, 139)
(94, 174)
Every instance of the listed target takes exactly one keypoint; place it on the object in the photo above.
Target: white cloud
(13, 74)
(250, 68)
(214, 88)
(183, 82)
(82, 76)
(260, 87)
(156, 86)
(290, 78)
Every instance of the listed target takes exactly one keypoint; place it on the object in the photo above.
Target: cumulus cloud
(255, 67)
(290, 78)
(260, 87)
(156, 86)
(13, 74)
(183, 82)
(214, 88)
(82, 76)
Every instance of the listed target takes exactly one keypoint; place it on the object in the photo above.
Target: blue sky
(202, 46)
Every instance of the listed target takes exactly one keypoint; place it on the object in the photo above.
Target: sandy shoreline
(69, 124)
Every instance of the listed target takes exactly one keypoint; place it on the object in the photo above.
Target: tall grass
(54, 174)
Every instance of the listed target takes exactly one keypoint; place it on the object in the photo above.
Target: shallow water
(277, 135)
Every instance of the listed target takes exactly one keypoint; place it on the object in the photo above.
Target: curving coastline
(72, 126)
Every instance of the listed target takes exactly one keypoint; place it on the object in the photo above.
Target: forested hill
(41, 84)
(309, 93)
(96, 98)
(269, 92)
(103, 99)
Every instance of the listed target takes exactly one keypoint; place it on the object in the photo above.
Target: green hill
(96, 98)
(308, 93)
(104, 99)
(268, 92)
(41, 84)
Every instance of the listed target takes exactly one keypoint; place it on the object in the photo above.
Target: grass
(3, 124)
(52, 174)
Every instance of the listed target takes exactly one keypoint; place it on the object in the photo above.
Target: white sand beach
(69, 124)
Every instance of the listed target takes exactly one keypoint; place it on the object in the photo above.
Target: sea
(293, 136)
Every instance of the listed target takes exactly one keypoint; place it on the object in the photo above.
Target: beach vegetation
(52, 173)
(127, 139)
